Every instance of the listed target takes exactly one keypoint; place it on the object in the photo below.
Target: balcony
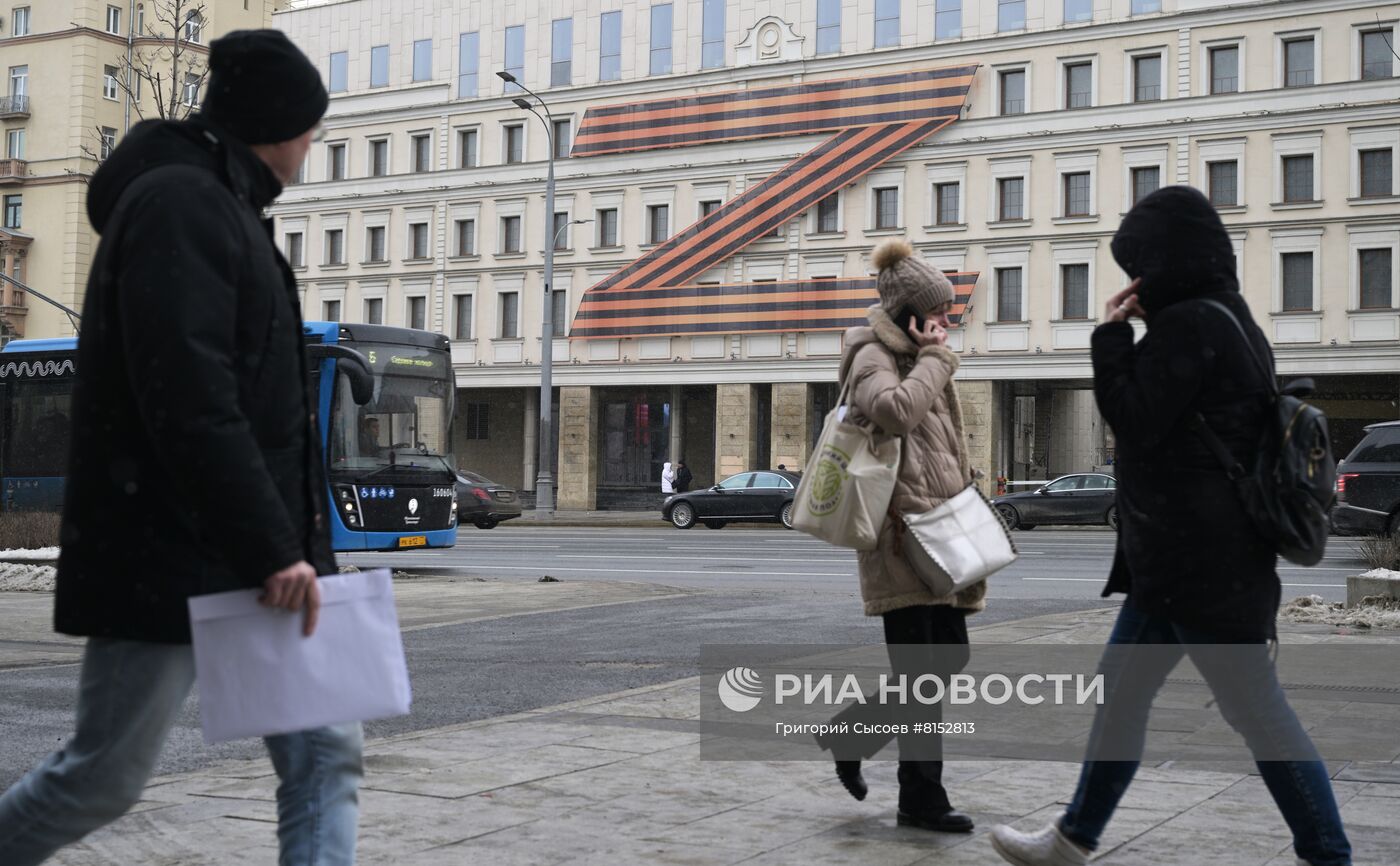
(13, 171)
(14, 107)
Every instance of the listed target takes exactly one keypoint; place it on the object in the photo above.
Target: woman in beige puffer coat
(900, 374)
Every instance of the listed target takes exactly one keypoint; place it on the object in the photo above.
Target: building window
(510, 234)
(947, 203)
(887, 207)
(607, 226)
(1079, 85)
(1375, 267)
(1147, 78)
(1142, 7)
(828, 214)
(1297, 178)
(14, 144)
(374, 311)
(1298, 62)
(190, 94)
(335, 247)
(510, 315)
(559, 313)
(335, 161)
(108, 144)
(109, 82)
(19, 81)
(559, 230)
(1074, 291)
(947, 19)
(194, 26)
(14, 211)
(422, 152)
(563, 138)
(468, 64)
(1146, 180)
(710, 206)
(467, 154)
(478, 416)
(1225, 69)
(379, 157)
(1377, 54)
(340, 72)
(513, 144)
(1077, 200)
(515, 55)
(610, 46)
(379, 66)
(418, 313)
(462, 317)
(1011, 198)
(418, 240)
(114, 20)
(330, 311)
(1013, 91)
(828, 26)
(658, 223)
(19, 21)
(1078, 11)
(561, 47)
(661, 39)
(712, 34)
(886, 23)
(423, 60)
(1297, 281)
(294, 244)
(464, 233)
(1224, 183)
(1009, 295)
(1011, 15)
(1376, 172)
(375, 246)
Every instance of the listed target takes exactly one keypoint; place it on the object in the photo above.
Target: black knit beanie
(262, 89)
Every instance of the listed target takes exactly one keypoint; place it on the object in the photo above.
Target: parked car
(483, 502)
(1089, 498)
(763, 497)
(1368, 484)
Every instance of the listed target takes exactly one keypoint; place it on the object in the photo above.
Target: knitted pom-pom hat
(908, 280)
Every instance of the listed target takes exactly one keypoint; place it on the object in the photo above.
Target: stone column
(736, 427)
(981, 429)
(578, 448)
(677, 426)
(792, 423)
(530, 460)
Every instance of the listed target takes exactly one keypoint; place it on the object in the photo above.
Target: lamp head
(521, 103)
(505, 76)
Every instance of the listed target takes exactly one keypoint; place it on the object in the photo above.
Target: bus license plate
(413, 541)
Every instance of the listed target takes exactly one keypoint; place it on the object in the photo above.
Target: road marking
(1070, 579)
(1331, 585)
(652, 556)
(662, 573)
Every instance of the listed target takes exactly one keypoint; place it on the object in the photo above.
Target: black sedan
(1090, 498)
(762, 497)
(484, 502)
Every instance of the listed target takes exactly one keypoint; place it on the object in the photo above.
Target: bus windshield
(406, 423)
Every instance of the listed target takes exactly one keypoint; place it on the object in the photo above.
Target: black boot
(923, 801)
(951, 821)
(849, 774)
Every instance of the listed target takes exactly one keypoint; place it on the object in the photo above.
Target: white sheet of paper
(258, 675)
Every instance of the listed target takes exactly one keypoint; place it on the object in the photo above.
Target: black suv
(1368, 484)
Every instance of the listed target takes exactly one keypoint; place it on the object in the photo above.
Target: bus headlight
(349, 504)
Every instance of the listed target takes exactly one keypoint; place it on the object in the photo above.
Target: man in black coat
(1196, 572)
(195, 467)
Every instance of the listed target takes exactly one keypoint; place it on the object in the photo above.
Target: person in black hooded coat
(1196, 572)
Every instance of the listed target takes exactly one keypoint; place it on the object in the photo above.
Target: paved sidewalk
(617, 779)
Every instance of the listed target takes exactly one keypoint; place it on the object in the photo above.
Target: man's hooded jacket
(194, 465)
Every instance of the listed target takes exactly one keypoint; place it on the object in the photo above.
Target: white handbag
(846, 488)
(958, 543)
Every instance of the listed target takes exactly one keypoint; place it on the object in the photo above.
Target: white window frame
(1373, 138)
(1280, 73)
(885, 179)
(411, 294)
(505, 287)
(465, 211)
(115, 28)
(608, 200)
(344, 145)
(457, 293)
(1018, 256)
(1371, 27)
(340, 222)
(1063, 65)
(376, 291)
(1077, 163)
(1076, 252)
(1297, 240)
(1204, 83)
(15, 16)
(524, 142)
(413, 154)
(411, 219)
(292, 227)
(1372, 238)
(937, 174)
(110, 86)
(994, 110)
(1223, 150)
(376, 220)
(1130, 57)
(651, 197)
(388, 155)
(1307, 143)
(1155, 155)
(512, 208)
(998, 170)
(457, 134)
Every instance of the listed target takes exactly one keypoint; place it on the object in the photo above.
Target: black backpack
(1290, 486)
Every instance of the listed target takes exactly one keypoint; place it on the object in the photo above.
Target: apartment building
(674, 125)
(66, 105)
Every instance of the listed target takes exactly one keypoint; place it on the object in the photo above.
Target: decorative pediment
(769, 41)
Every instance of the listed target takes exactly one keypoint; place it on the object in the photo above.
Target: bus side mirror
(354, 365)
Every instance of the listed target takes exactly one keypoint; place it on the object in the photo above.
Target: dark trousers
(918, 640)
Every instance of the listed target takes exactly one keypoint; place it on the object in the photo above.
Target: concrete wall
(500, 457)
(736, 426)
(578, 451)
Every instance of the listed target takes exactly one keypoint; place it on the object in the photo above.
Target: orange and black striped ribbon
(874, 119)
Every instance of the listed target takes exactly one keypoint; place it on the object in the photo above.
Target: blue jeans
(129, 696)
(1259, 712)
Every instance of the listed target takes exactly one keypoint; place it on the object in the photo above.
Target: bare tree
(164, 62)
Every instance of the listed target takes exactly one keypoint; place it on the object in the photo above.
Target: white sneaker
(1048, 847)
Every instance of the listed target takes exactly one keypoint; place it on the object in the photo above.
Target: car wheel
(488, 523)
(1112, 518)
(682, 515)
(715, 524)
(786, 515)
(1009, 516)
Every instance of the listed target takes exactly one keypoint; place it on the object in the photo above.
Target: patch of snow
(23, 577)
(39, 554)
(1383, 574)
(1313, 609)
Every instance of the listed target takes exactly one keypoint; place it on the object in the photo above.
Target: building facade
(66, 104)
(698, 311)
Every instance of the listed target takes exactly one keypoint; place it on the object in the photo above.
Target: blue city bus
(384, 406)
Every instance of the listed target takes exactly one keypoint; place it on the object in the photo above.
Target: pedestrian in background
(668, 478)
(683, 477)
(1194, 568)
(900, 373)
(194, 465)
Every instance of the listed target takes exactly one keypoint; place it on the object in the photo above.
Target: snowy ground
(26, 577)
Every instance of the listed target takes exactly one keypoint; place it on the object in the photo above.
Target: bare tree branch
(157, 75)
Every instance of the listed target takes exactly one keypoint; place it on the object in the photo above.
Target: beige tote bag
(846, 488)
(958, 543)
